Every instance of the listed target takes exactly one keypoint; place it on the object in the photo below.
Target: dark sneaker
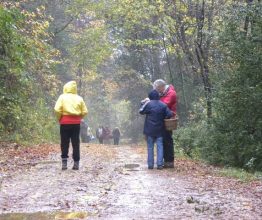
(64, 164)
(160, 167)
(150, 168)
(169, 165)
(76, 165)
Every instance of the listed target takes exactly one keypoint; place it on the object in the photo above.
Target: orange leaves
(14, 157)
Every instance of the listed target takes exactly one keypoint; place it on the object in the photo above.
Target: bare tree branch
(64, 27)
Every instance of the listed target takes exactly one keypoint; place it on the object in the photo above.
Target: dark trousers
(101, 140)
(70, 133)
(85, 138)
(168, 146)
(116, 140)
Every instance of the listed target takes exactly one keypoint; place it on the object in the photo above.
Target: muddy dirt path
(114, 183)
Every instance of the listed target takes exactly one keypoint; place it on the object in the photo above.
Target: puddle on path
(132, 167)
(46, 216)
(48, 162)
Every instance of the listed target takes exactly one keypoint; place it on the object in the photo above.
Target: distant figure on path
(116, 136)
(107, 135)
(70, 108)
(167, 96)
(90, 135)
(100, 134)
(155, 111)
(84, 132)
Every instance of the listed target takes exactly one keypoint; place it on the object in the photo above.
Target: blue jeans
(150, 150)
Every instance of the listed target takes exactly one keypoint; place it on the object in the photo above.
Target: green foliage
(133, 87)
(239, 174)
(25, 68)
(190, 138)
(238, 122)
(233, 136)
(11, 65)
(89, 50)
(35, 124)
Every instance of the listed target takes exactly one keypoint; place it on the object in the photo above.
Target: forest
(210, 50)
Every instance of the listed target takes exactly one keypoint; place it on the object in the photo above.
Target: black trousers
(70, 133)
(168, 143)
(101, 140)
(85, 138)
(116, 140)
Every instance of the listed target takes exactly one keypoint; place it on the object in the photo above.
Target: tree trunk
(168, 61)
(202, 54)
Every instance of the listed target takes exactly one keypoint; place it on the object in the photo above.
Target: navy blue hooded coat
(155, 111)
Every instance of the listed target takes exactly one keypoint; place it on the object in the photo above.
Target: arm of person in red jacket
(173, 108)
(171, 102)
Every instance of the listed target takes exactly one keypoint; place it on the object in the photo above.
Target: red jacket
(169, 98)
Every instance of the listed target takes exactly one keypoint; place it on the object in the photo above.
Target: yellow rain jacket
(70, 103)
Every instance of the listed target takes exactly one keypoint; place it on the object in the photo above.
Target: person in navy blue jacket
(155, 111)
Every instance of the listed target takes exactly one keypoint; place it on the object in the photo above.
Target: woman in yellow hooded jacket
(70, 108)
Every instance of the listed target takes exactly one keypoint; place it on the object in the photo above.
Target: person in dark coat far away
(116, 136)
(100, 134)
(155, 111)
(169, 97)
(107, 135)
(83, 132)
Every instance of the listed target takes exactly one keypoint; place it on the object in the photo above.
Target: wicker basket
(171, 124)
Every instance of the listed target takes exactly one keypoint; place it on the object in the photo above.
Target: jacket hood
(70, 87)
(171, 87)
(167, 90)
(153, 95)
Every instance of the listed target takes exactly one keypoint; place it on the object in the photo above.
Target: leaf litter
(32, 184)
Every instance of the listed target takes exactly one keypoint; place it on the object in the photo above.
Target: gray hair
(158, 83)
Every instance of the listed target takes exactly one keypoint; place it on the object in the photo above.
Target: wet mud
(114, 183)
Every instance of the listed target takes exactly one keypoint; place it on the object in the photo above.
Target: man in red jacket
(168, 96)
